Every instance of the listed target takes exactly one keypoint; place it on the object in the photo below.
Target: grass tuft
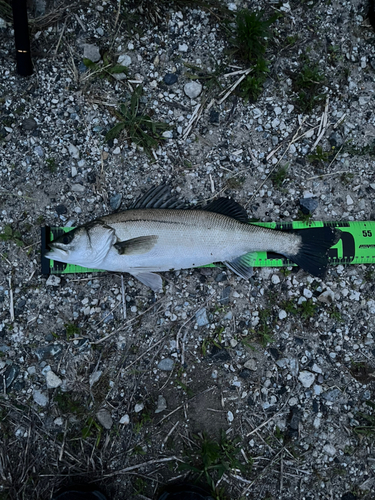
(140, 128)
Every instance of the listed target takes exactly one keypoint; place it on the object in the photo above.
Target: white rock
(74, 171)
(278, 110)
(275, 279)
(162, 404)
(78, 188)
(74, 152)
(230, 416)
(307, 293)
(52, 380)
(117, 151)
(232, 6)
(104, 418)
(316, 422)
(182, 47)
(293, 401)
(125, 420)
(306, 378)
(40, 398)
(91, 52)
(58, 421)
(168, 134)
(327, 297)
(315, 368)
(3, 23)
(124, 60)
(53, 280)
(138, 407)
(282, 314)
(329, 449)
(94, 377)
(193, 89)
(251, 364)
(349, 200)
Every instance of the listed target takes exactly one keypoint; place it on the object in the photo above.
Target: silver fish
(157, 234)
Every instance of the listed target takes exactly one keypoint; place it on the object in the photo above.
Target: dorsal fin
(158, 197)
(226, 206)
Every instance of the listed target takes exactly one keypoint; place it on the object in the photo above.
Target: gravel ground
(283, 362)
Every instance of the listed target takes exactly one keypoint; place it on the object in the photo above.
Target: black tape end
(45, 233)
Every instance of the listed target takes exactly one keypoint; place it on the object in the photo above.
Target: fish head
(85, 246)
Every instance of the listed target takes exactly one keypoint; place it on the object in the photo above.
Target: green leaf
(8, 231)
(115, 131)
(118, 69)
(89, 64)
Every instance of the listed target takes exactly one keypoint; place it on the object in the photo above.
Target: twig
(11, 303)
(233, 87)
(326, 175)
(123, 297)
(61, 35)
(143, 354)
(169, 433)
(269, 420)
(281, 474)
(323, 126)
(144, 464)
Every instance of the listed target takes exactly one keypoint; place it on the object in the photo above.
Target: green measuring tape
(356, 246)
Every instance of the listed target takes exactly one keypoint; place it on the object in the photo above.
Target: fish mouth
(57, 252)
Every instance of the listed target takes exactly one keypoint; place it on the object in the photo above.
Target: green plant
(51, 164)
(251, 34)
(307, 309)
(91, 428)
(308, 83)
(301, 216)
(10, 234)
(140, 128)
(71, 330)
(346, 177)
(368, 429)
(250, 40)
(212, 459)
(105, 69)
(265, 327)
(279, 176)
(319, 155)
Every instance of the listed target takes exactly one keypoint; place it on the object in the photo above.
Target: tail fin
(313, 253)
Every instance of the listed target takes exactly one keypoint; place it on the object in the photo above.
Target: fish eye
(68, 237)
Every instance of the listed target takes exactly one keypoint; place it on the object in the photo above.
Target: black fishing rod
(21, 36)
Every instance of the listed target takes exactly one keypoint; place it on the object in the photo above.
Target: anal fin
(243, 265)
(149, 279)
(136, 246)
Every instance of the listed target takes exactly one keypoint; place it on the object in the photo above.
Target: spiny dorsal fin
(158, 197)
(226, 206)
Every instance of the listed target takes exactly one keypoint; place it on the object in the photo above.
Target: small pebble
(52, 380)
(166, 365)
(306, 378)
(53, 280)
(115, 201)
(104, 418)
(170, 78)
(91, 52)
(138, 407)
(193, 89)
(125, 420)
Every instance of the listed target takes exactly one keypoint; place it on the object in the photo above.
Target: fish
(160, 233)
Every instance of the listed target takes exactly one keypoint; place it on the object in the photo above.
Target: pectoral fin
(151, 280)
(136, 246)
(243, 265)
